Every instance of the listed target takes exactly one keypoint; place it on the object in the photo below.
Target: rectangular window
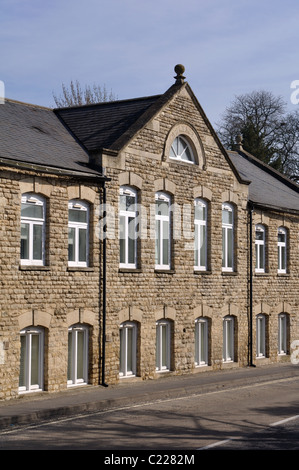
(128, 227)
(227, 237)
(163, 243)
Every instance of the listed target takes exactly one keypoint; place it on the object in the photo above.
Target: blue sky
(131, 46)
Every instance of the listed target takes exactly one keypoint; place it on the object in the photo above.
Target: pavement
(34, 408)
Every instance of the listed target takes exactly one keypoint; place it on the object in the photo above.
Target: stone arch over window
(35, 185)
(165, 185)
(81, 315)
(81, 192)
(190, 136)
(165, 312)
(35, 318)
(131, 314)
(129, 178)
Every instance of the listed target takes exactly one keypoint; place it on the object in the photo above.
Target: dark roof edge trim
(51, 170)
(269, 207)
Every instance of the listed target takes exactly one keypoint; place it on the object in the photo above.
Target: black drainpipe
(104, 289)
(250, 209)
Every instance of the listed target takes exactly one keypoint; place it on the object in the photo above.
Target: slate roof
(61, 139)
(33, 135)
(268, 188)
(111, 125)
(100, 125)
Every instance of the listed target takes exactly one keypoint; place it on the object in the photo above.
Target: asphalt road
(257, 416)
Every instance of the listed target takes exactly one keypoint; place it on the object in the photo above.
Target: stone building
(50, 258)
(134, 245)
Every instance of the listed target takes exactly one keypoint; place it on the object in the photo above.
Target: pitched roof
(100, 125)
(268, 188)
(31, 134)
(111, 125)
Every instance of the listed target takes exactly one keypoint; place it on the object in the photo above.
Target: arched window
(201, 341)
(282, 250)
(31, 359)
(260, 248)
(200, 234)
(163, 337)
(260, 335)
(283, 333)
(163, 230)
(33, 213)
(78, 233)
(228, 338)
(128, 227)
(77, 372)
(181, 150)
(128, 349)
(227, 237)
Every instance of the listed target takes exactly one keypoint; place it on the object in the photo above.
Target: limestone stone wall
(180, 295)
(275, 293)
(53, 296)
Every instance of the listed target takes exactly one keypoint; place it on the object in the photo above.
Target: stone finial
(239, 140)
(179, 70)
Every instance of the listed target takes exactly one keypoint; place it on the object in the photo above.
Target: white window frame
(160, 221)
(27, 334)
(200, 227)
(260, 336)
(228, 339)
(128, 214)
(260, 249)
(201, 341)
(128, 348)
(186, 149)
(73, 355)
(226, 239)
(282, 251)
(32, 222)
(76, 204)
(163, 351)
(282, 334)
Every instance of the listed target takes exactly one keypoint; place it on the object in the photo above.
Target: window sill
(229, 273)
(79, 268)
(29, 267)
(203, 271)
(164, 271)
(130, 270)
(283, 274)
